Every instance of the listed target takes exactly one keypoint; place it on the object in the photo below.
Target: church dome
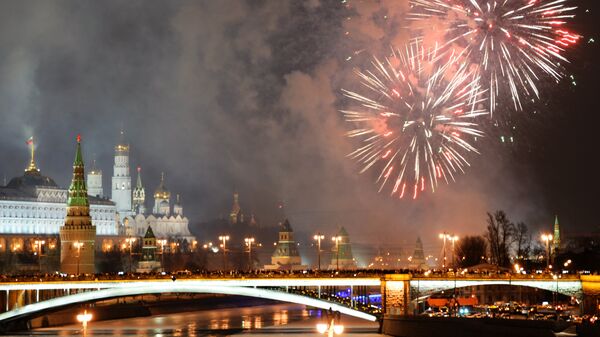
(161, 191)
(31, 179)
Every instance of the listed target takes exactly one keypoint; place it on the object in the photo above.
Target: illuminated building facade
(33, 205)
(167, 222)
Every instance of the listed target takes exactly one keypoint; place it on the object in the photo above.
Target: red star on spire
(78, 138)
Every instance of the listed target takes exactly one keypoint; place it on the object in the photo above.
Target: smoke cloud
(224, 95)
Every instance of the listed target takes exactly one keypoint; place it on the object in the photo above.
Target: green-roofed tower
(78, 235)
(556, 237)
(341, 251)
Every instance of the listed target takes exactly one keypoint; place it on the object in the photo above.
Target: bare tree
(522, 241)
(500, 232)
(471, 250)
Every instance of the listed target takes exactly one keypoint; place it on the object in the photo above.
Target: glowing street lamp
(547, 238)
(39, 244)
(453, 239)
(78, 245)
(224, 239)
(130, 242)
(337, 240)
(162, 244)
(319, 237)
(249, 242)
(84, 318)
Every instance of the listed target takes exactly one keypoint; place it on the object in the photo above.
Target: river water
(267, 320)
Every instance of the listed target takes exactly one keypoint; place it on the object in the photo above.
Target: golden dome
(161, 191)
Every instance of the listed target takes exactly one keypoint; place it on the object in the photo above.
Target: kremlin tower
(121, 180)
(341, 257)
(556, 237)
(78, 234)
(94, 182)
(139, 194)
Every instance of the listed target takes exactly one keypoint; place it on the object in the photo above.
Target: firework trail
(415, 117)
(512, 43)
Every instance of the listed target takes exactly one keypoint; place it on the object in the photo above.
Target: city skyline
(216, 114)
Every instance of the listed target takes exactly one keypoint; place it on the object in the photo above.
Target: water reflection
(219, 322)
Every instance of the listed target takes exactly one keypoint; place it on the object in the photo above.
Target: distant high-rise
(78, 235)
(94, 182)
(121, 180)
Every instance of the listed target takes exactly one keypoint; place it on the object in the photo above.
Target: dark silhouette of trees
(500, 233)
(471, 250)
(522, 240)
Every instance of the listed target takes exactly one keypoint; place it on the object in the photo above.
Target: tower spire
(78, 196)
(78, 234)
(32, 168)
(556, 236)
(138, 183)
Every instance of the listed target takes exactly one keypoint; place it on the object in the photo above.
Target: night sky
(224, 95)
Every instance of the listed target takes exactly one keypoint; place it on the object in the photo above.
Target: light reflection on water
(219, 322)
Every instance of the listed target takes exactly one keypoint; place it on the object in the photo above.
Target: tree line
(502, 240)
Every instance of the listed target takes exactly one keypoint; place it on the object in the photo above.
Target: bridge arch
(175, 287)
(429, 287)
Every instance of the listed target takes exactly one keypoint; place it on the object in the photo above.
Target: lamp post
(162, 243)
(555, 277)
(249, 242)
(130, 241)
(337, 240)
(78, 245)
(444, 236)
(39, 244)
(84, 319)
(224, 239)
(453, 239)
(547, 238)
(319, 237)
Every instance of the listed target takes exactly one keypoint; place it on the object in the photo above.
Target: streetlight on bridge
(78, 245)
(547, 238)
(249, 242)
(319, 237)
(130, 242)
(447, 237)
(224, 239)
(162, 244)
(39, 244)
(337, 240)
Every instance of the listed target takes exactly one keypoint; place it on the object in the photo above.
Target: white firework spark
(416, 117)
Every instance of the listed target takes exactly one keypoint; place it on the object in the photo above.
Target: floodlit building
(286, 255)
(33, 205)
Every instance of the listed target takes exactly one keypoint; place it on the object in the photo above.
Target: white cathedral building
(167, 222)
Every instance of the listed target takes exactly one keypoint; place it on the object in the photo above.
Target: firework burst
(415, 116)
(512, 43)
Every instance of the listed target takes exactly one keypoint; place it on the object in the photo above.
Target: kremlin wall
(41, 220)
